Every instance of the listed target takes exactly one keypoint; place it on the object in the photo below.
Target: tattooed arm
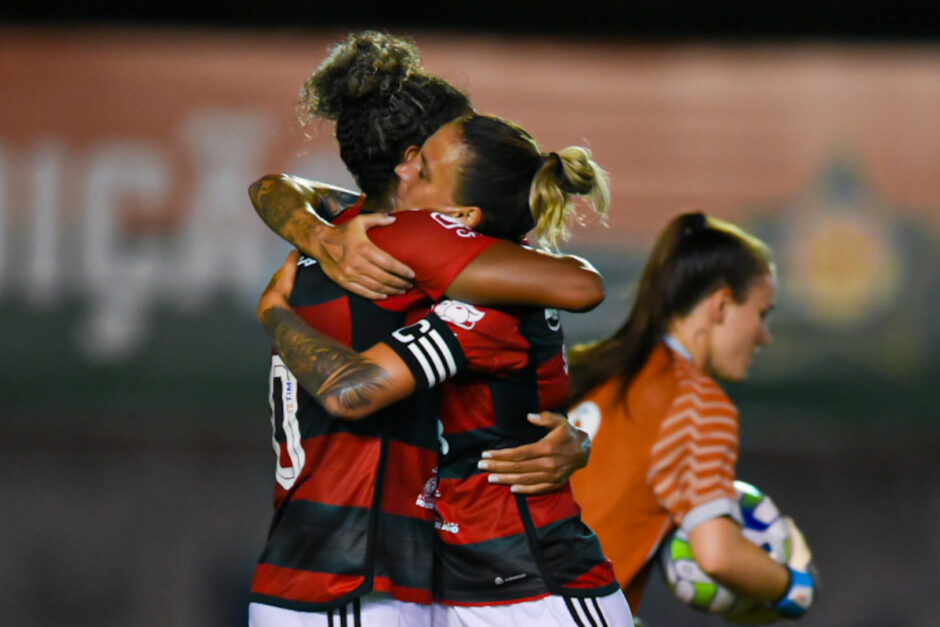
(348, 384)
(298, 210)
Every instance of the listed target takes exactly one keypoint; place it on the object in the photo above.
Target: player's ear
(410, 153)
(717, 304)
(471, 216)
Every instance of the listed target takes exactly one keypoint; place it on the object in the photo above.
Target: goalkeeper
(666, 433)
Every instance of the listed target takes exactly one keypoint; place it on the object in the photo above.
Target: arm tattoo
(285, 208)
(334, 374)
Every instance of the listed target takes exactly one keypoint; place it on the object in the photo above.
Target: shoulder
(700, 413)
(417, 234)
(656, 386)
(436, 247)
(697, 388)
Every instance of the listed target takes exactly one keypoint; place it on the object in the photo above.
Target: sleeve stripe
(451, 364)
(431, 351)
(423, 362)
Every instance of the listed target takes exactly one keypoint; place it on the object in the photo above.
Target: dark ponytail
(694, 256)
(383, 101)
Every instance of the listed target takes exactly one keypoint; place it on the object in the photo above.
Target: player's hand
(542, 466)
(352, 261)
(277, 293)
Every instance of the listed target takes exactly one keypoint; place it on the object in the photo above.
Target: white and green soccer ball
(763, 525)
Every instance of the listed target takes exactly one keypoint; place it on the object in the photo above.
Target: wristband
(799, 595)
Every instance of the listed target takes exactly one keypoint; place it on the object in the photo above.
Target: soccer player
(501, 558)
(666, 433)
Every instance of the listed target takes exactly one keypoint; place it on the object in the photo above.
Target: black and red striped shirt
(494, 546)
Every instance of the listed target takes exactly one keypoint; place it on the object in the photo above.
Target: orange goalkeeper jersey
(662, 458)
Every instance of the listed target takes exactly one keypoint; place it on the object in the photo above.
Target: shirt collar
(677, 346)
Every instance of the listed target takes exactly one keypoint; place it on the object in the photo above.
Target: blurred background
(135, 456)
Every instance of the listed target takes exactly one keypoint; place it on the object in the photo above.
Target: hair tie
(554, 156)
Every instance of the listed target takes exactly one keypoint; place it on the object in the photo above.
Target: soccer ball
(763, 525)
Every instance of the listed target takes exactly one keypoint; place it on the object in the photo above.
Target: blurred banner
(129, 246)
(134, 423)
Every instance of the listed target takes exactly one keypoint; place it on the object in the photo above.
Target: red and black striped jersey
(494, 546)
(350, 517)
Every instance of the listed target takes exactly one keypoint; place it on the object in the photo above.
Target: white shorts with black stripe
(372, 611)
(551, 611)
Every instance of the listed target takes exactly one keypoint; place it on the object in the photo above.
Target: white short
(371, 611)
(551, 611)
(379, 611)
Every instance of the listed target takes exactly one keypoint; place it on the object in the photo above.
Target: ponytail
(518, 187)
(568, 172)
(694, 256)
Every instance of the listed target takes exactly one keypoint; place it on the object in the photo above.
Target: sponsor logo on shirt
(449, 527)
(458, 227)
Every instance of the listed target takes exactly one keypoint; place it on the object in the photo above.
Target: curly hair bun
(366, 64)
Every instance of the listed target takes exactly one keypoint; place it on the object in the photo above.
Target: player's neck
(691, 333)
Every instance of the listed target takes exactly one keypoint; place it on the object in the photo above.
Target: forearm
(753, 571)
(734, 561)
(344, 382)
(297, 209)
(509, 274)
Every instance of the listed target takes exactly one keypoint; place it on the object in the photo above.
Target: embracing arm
(298, 209)
(348, 384)
(506, 273)
(544, 465)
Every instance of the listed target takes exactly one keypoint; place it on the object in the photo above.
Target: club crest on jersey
(456, 312)
(553, 319)
(461, 229)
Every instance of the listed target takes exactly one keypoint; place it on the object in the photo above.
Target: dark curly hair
(383, 101)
